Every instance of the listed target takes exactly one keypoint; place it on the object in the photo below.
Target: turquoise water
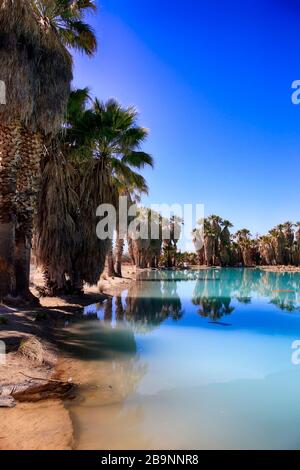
(192, 360)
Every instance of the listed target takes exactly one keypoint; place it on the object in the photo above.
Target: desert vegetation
(36, 67)
(93, 160)
(220, 247)
(63, 154)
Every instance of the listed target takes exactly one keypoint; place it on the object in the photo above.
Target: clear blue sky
(212, 82)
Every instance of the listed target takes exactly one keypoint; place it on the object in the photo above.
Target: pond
(191, 360)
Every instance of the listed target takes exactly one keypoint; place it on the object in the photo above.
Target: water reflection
(154, 297)
(144, 306)
(98, 411)
(216, 295)
(213, 308)
(157, 302)
(161, 375)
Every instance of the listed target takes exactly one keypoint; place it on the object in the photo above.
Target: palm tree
(225, 248)
(133, 194)
(280, 246)
(266, 250)
(215, 224)
(60, 235)
(296, 255)
(118, 140)
(297, 235)
(242, 234)
(98, 150)
(38, 76)
(288, 230)
(170, 244)
(66, 19)
(247, 246)
(145, 251)
(57, 219)
(278, 241)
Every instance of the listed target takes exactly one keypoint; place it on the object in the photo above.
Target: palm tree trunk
(77, 283)
(110, 261)
(22, 265)
(28, 181)
(50, 287)
(131, 250)
(10, 139)
(119, 250)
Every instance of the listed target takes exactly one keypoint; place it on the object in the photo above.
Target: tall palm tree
(266, 250)
(66, 19)
(297, 236)
(225, 233)
(58, 234)
(56, 222)
(289, 235)
(243, 233)
(216, 222)
(133, 194)
(37, 70)
(225, 248)
(173, 227)
(278, 241)
(246, 246)
(99, 146)
(118, 140)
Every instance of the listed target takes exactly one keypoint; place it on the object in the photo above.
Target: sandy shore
(44, 424)
(281, 269)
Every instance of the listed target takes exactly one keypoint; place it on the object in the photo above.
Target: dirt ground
(45, 424)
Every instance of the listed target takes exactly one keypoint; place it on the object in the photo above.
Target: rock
(7, 402)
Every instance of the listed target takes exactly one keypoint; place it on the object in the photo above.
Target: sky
(212, 83)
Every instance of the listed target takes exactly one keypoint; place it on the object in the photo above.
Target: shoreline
(32, 425)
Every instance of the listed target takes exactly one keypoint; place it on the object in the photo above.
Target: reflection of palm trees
(149, 304)
(214, 308)
(153, 298)
(285, 304)
(131, 373)
(119, 309)
(170, 299)
(211, 293)
(108, 383)
(243, 300)
(108, 307)
(242, 284)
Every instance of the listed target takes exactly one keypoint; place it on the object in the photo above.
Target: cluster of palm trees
(62, 154)
(158, 246)
(95, 158)
(218, 247)
(36, 67)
